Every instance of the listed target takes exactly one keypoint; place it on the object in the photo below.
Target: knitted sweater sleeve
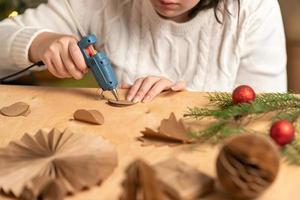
(17, 34)
(263, 51)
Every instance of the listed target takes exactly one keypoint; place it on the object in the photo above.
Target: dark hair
(208, 4)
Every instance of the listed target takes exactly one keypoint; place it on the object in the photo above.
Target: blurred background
(11, 8)
(291, 17)
(8, 7)
(290, 12)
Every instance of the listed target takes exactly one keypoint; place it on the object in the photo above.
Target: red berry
(282, 132)
(243, 94)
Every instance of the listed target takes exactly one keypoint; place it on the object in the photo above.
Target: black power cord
(3, 79)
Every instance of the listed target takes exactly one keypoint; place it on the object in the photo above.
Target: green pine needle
(264, 103)
(285, 106)
(216, 132)
(289, 115)
(292, 153)
(221, 100)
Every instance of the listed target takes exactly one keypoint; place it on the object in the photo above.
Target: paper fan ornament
(171, 132)
(79, 161)
(44, 188)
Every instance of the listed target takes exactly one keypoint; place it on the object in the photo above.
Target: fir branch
(226, 113)
(292, 153)
(263, 104)
(210, 131)
(238, 110)
(289, 115)
(287, 106)
(279, 101)
(199, 113)
(216, 132)
(222, 100)
(297, 127)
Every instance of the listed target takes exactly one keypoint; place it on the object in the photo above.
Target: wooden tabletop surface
(54, 108)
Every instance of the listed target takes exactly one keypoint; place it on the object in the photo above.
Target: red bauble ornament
(243, 94)
(282, 132)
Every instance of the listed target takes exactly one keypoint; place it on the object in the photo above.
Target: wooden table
(54, 107)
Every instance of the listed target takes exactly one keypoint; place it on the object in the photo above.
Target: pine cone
(247, 165)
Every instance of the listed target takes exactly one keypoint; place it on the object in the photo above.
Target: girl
(155, 45)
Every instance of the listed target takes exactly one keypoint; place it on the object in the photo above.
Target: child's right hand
(60, 53)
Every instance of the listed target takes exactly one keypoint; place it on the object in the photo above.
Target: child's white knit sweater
(248, 48)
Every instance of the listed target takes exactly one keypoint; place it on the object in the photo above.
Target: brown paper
(247, 165)
(171, 132)
(15, 110)
(45, 188)
(120, 103)
(116, 103)
(168, 180)
(89, 116)
(141, 183)
(181, 181)
(79, 160)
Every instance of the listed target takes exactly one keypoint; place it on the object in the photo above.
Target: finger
(86, 71)
(180, 86)
(134, 89)
(145, 87)
(70, 66)
(160, 86)
(50, 67)
(59, 65)
(77, 57)
(125, 86)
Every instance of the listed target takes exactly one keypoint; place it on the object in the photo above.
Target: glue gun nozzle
(115, 93)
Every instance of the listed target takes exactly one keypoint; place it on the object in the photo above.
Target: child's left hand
(145, 89)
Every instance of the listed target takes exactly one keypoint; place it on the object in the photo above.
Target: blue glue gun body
(99, 63)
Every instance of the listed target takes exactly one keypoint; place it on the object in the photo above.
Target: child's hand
(145, 89)
(60, 53)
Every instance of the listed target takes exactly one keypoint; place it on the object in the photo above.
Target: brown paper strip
(89, 116)
(120, 103)
(15, 110)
